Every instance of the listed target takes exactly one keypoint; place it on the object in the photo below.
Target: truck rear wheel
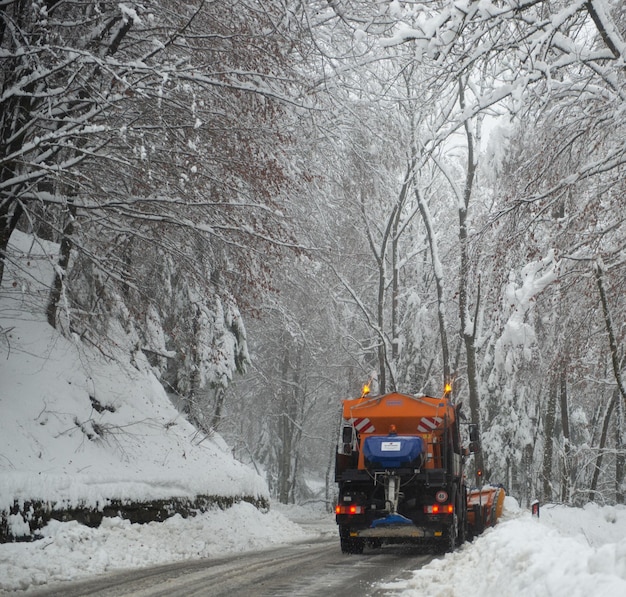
(352, 545)
(462, 536)
(349, 544)
(450, 542)
(461, 508)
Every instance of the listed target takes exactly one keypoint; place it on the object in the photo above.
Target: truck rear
(399, 469)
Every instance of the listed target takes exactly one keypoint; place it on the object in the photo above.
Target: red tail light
(351, 509)
(439, 509)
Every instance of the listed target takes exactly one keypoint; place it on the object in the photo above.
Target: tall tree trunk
(565, 481)
(439, 284)
(468, 329)
(395, 289)
(593, 488)
(528, 472)
(220, 395)
(549, 440)
(608, 321)
(10, 212)
(330, 482)
(380, 317)
(285, 460)
(297, 409)
(620, 460)
(191, 399)
(384, 366)
(617, 372)
(60, 272)
(13, 118)
(284, 422)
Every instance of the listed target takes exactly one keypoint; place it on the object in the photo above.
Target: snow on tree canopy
(519, 298)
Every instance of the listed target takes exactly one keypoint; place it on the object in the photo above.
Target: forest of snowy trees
(277, 200)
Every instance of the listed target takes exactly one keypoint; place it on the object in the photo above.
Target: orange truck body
(484, 507)
(425, 416)
(399, 469)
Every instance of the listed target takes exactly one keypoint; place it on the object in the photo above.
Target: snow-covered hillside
(79, 428)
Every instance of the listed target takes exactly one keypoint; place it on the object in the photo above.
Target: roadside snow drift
(70, 551)
(566, 552)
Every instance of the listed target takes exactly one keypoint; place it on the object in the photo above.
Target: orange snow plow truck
(399, 468)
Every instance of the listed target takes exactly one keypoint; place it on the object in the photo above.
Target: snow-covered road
(310, 569)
